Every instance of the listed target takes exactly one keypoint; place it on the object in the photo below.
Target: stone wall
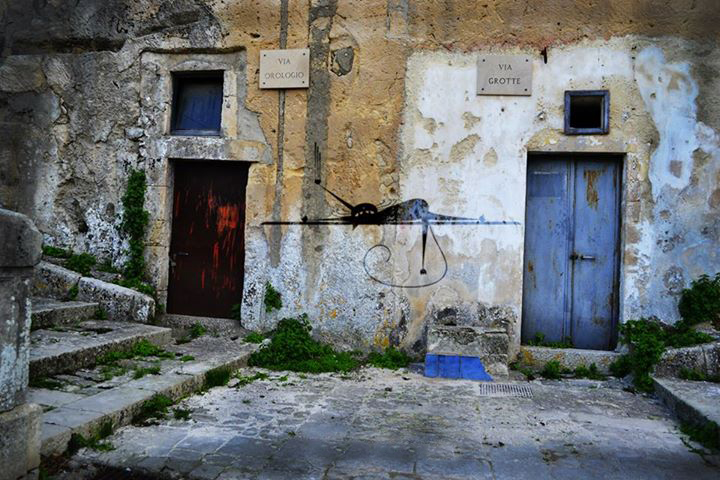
(393, 109)
(20, 245)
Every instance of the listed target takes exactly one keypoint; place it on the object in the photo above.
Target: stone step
(695, 403)
(570, 358)
(48, 312)
(71, 348)
(182, 325)
(82, 406)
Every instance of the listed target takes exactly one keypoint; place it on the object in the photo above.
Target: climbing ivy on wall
(135, 220)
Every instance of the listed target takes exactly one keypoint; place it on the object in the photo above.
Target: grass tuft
(248, 379)
(94, 441)
(254, 337)
(707, 435)
(217, 377)
(292, 348)
(391, 358)
(44, 382)
(197, 330)
(142, 371)
(590, 372)
(181, 413)
(81, 263)
(155, 407)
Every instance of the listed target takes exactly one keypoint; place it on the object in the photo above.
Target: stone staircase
(695, 403)
(86, 371)
(49, 313)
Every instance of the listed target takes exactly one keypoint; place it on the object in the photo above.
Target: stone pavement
(384, 424)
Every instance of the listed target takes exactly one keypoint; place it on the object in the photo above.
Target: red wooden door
(207, 247)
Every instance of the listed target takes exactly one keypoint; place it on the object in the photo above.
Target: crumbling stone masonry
(20, 250)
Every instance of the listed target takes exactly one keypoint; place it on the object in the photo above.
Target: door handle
(577, 256)
(181, 254)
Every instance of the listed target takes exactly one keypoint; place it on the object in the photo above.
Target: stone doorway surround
(241, 139)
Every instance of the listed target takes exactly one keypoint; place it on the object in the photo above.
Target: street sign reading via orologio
(285, 68)
(504, 75)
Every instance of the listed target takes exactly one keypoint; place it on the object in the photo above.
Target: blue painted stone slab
(455, 366)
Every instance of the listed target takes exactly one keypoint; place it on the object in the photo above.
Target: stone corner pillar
(20, 251)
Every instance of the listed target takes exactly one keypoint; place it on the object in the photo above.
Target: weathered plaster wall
(468, 156)
(392, 106)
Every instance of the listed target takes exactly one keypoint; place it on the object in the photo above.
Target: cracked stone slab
(382, 424)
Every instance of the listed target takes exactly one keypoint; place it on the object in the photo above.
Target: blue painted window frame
(179, 81)
(604, 128)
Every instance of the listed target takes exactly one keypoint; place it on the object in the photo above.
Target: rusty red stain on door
(207, 248)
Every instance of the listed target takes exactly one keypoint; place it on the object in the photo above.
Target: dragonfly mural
(415, 211)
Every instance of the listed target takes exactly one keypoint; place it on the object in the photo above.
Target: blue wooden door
(571, 251)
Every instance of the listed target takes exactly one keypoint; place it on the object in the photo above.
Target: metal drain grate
(505, 390)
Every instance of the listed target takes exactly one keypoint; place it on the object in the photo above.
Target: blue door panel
(595, 248)
(571, 241)
(546, 249)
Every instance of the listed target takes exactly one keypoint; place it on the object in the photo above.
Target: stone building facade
(88, 90)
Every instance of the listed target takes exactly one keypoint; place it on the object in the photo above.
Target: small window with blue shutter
(197, 103)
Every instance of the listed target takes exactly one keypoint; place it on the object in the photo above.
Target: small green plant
(248, 379)
(94, 441)
(44, 382)
(707, 435)
(81, 263)
(197, 330)
(553, 370)
(56, 252)
(235, 312)
(142, 371)
(181, 413)
(107, 267)
(528, 372)
(137, 285)
(539, 341)
(217, 377)
(590, 372)
(647, 340)
(254, 337)
(155, 407)
(273, 299)
(524, 369)
(292, 348)
(391, 358)
(187, 358)
(701, 302)
(142, 348)
(697, 376)
(112, 370)
(100, 314)
(73, 292)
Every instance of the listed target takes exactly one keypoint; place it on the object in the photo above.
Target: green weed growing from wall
(647, 340)
(701, 302)
(134, 222)
(273, 300)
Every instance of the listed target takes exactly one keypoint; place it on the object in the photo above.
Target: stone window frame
(240, 140)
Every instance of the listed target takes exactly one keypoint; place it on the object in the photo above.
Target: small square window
(197, 103)
(587, 112)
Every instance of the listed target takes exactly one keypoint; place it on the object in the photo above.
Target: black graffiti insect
(415, 211)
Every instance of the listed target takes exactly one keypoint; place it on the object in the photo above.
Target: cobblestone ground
(400, 425)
